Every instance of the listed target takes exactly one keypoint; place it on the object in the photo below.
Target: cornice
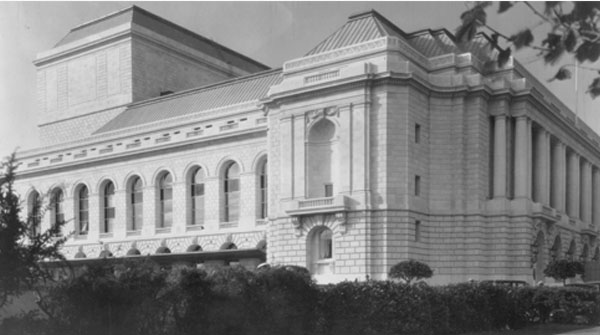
(145, 152)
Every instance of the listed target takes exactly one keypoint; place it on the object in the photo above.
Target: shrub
(410, 270)
(563, 269)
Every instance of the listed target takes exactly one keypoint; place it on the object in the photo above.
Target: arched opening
(539, 256)
(262, 245)
(262, 191)
(584, 253)
(196, 192)
(135, 204)
(320, 251)
(321, 160)
(556, 249)
(82, 210)
(231, 193)
(165, 200)
(33, 213)
(105, 254)
(163, 250)
(194, 248)
(57, 206)
(228, 246)
(107, 206)
(133, 252)
(572, 250)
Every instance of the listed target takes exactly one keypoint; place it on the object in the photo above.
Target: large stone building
(374, 147)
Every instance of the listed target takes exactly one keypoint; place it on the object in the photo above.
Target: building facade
(375, 147)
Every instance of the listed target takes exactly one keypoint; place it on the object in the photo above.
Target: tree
(575, 32)
(22, 247)
(563, 269)
(410, 270)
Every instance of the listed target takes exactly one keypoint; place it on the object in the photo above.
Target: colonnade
(529, 162)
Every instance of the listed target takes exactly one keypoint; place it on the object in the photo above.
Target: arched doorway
(539, 255)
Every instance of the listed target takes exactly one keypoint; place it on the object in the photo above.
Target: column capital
(521, 117)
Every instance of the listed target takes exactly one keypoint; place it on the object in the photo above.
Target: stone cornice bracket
(342, 220)
(297, 223)
(322, 113)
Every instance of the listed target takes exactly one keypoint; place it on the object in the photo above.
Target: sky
(269, 32)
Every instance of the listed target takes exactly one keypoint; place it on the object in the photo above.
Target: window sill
(194, 228)
(81, 236)
(164, 230)
(232, 224)
(106, 235)
(261, 222)
(134, 233)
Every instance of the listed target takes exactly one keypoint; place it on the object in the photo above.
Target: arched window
(58, 206)
(165, 186)
(320, 249)
(571, 252)
(322, 160)
(136, 202)
(83, 217)
(33, 211)
(262, 189)
(108, 205)
(231, 192)
(197, 197)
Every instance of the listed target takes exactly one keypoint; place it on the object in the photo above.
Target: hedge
(144, 299)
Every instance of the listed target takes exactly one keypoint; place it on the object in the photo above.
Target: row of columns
(543, 169)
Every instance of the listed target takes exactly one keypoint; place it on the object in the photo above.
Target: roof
(233, 92)
(359, 28)
(371, 25)
(140, 17)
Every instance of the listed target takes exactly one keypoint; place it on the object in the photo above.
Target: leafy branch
(575, 33)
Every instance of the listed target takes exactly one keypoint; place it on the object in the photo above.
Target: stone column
(573, 185)
(522, 158)
(559, 178)
(595, 196)
(586, 192)
(541, 192)
(500, 156)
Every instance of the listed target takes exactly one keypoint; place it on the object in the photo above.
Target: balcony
(338, 203)
(544, 212)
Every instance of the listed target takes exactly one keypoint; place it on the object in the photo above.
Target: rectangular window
(417, 133)
(417, 185)
(328, 190)
(417, 231)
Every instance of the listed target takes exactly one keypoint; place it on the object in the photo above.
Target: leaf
(494, 41)
(562, 74)
(504, 6)
(556, 48)
(472, 20)
(550, 6)
(594, 88)
(571, 40)
(588, 51)
(522, 39)
(503, 57)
